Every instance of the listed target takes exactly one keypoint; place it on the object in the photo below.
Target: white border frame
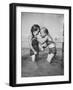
(65, 77)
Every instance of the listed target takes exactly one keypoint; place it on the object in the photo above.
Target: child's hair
(34, 28)
(45, 30)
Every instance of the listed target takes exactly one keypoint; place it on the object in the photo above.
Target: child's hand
(44, 45)
(35, 52)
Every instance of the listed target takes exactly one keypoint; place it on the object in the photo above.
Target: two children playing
(39, 40)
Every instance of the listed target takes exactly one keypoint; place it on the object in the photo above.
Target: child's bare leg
(52, 51)
(33, 58)
(49, 57)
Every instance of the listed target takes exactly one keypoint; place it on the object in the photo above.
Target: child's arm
(30, 44)
(50, 38)
(42, 40)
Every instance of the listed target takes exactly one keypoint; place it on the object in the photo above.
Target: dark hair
(34, 28)
(45, 30)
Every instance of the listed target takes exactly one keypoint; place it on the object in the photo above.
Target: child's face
(42, 33)
(36, 32)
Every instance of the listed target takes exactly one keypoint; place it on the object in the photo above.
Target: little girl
(46, 42)
(34, 44)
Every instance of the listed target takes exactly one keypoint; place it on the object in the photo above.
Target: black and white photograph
(42, 44)
(40, 41)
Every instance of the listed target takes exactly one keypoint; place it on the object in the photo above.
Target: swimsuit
(35, 44)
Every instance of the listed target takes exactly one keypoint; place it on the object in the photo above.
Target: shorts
(52, 50)
(35, 45)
